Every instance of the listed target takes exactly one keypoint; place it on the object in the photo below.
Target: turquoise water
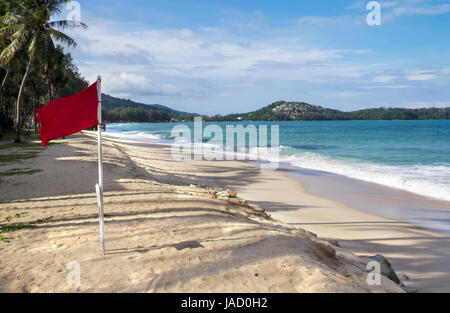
(408, 155)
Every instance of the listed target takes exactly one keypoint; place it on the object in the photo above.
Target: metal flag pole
(99, 186)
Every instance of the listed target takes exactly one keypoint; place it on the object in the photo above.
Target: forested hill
(300, 111)
(112, 103)
(125, 110)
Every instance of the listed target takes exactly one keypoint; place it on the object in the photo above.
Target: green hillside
(124, 110)
(300, 111)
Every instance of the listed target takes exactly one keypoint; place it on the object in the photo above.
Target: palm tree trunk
(19, 98)
(8, 71)
(36, 104)
(49, 88)
(1, 101)
(34, 117)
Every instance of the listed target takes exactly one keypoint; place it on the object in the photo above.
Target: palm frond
(12, 49)
(33, 46)
(65, 24)
(63, 38)
(48, 51)
(8, 31)
(54, 6)
(11, 19)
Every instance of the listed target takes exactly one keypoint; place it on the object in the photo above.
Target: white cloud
(384, 78)
(395, 8)
(386, 87)
(421, 75)
(151, 55)
(126, 84)
(214, 69)
(427, 104)
(345, 20)
(422, 10)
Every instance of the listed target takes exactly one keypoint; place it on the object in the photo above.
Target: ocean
(412, 156)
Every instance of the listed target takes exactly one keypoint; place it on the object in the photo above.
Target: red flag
(69, 115)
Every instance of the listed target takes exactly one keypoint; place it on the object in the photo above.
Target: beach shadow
(179, 246)
(61, 161)
(255, 252)
(424, 258)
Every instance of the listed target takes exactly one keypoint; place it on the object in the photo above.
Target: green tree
(30, 28)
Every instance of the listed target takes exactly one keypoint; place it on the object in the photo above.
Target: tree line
(34, 69)
(135, 115)
(300, 111)
(116, 110)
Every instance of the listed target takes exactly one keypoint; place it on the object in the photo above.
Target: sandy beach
(163, 236)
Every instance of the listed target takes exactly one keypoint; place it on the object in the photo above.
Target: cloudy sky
(211, 56)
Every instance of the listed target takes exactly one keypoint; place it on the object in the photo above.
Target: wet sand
(428, 213)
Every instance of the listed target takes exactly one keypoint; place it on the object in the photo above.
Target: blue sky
(211, 56)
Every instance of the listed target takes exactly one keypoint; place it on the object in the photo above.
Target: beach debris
(229, 196)
(251, 211)
(213, 194)
(238, 201)
(226, 194)
(222, 194)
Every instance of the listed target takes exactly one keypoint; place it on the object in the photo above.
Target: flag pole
(99, 186)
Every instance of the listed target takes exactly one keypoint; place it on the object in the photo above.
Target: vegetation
(300, 111)
(124, 110)
(135, 115)
(28, 145)
(17, 215)
(33, 69)
(120, 110)
(9, 228)
(15, 227)
(14, 172)
(17, 157)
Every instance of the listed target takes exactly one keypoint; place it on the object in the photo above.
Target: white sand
(162, 236)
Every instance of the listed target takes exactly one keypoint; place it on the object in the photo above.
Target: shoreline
(415, 253)
(388, 175)
(384, 201)
(404, 206)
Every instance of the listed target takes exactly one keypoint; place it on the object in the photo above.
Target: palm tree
(2, 87)
(54, 70)
(4, 6)
(30, 28)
